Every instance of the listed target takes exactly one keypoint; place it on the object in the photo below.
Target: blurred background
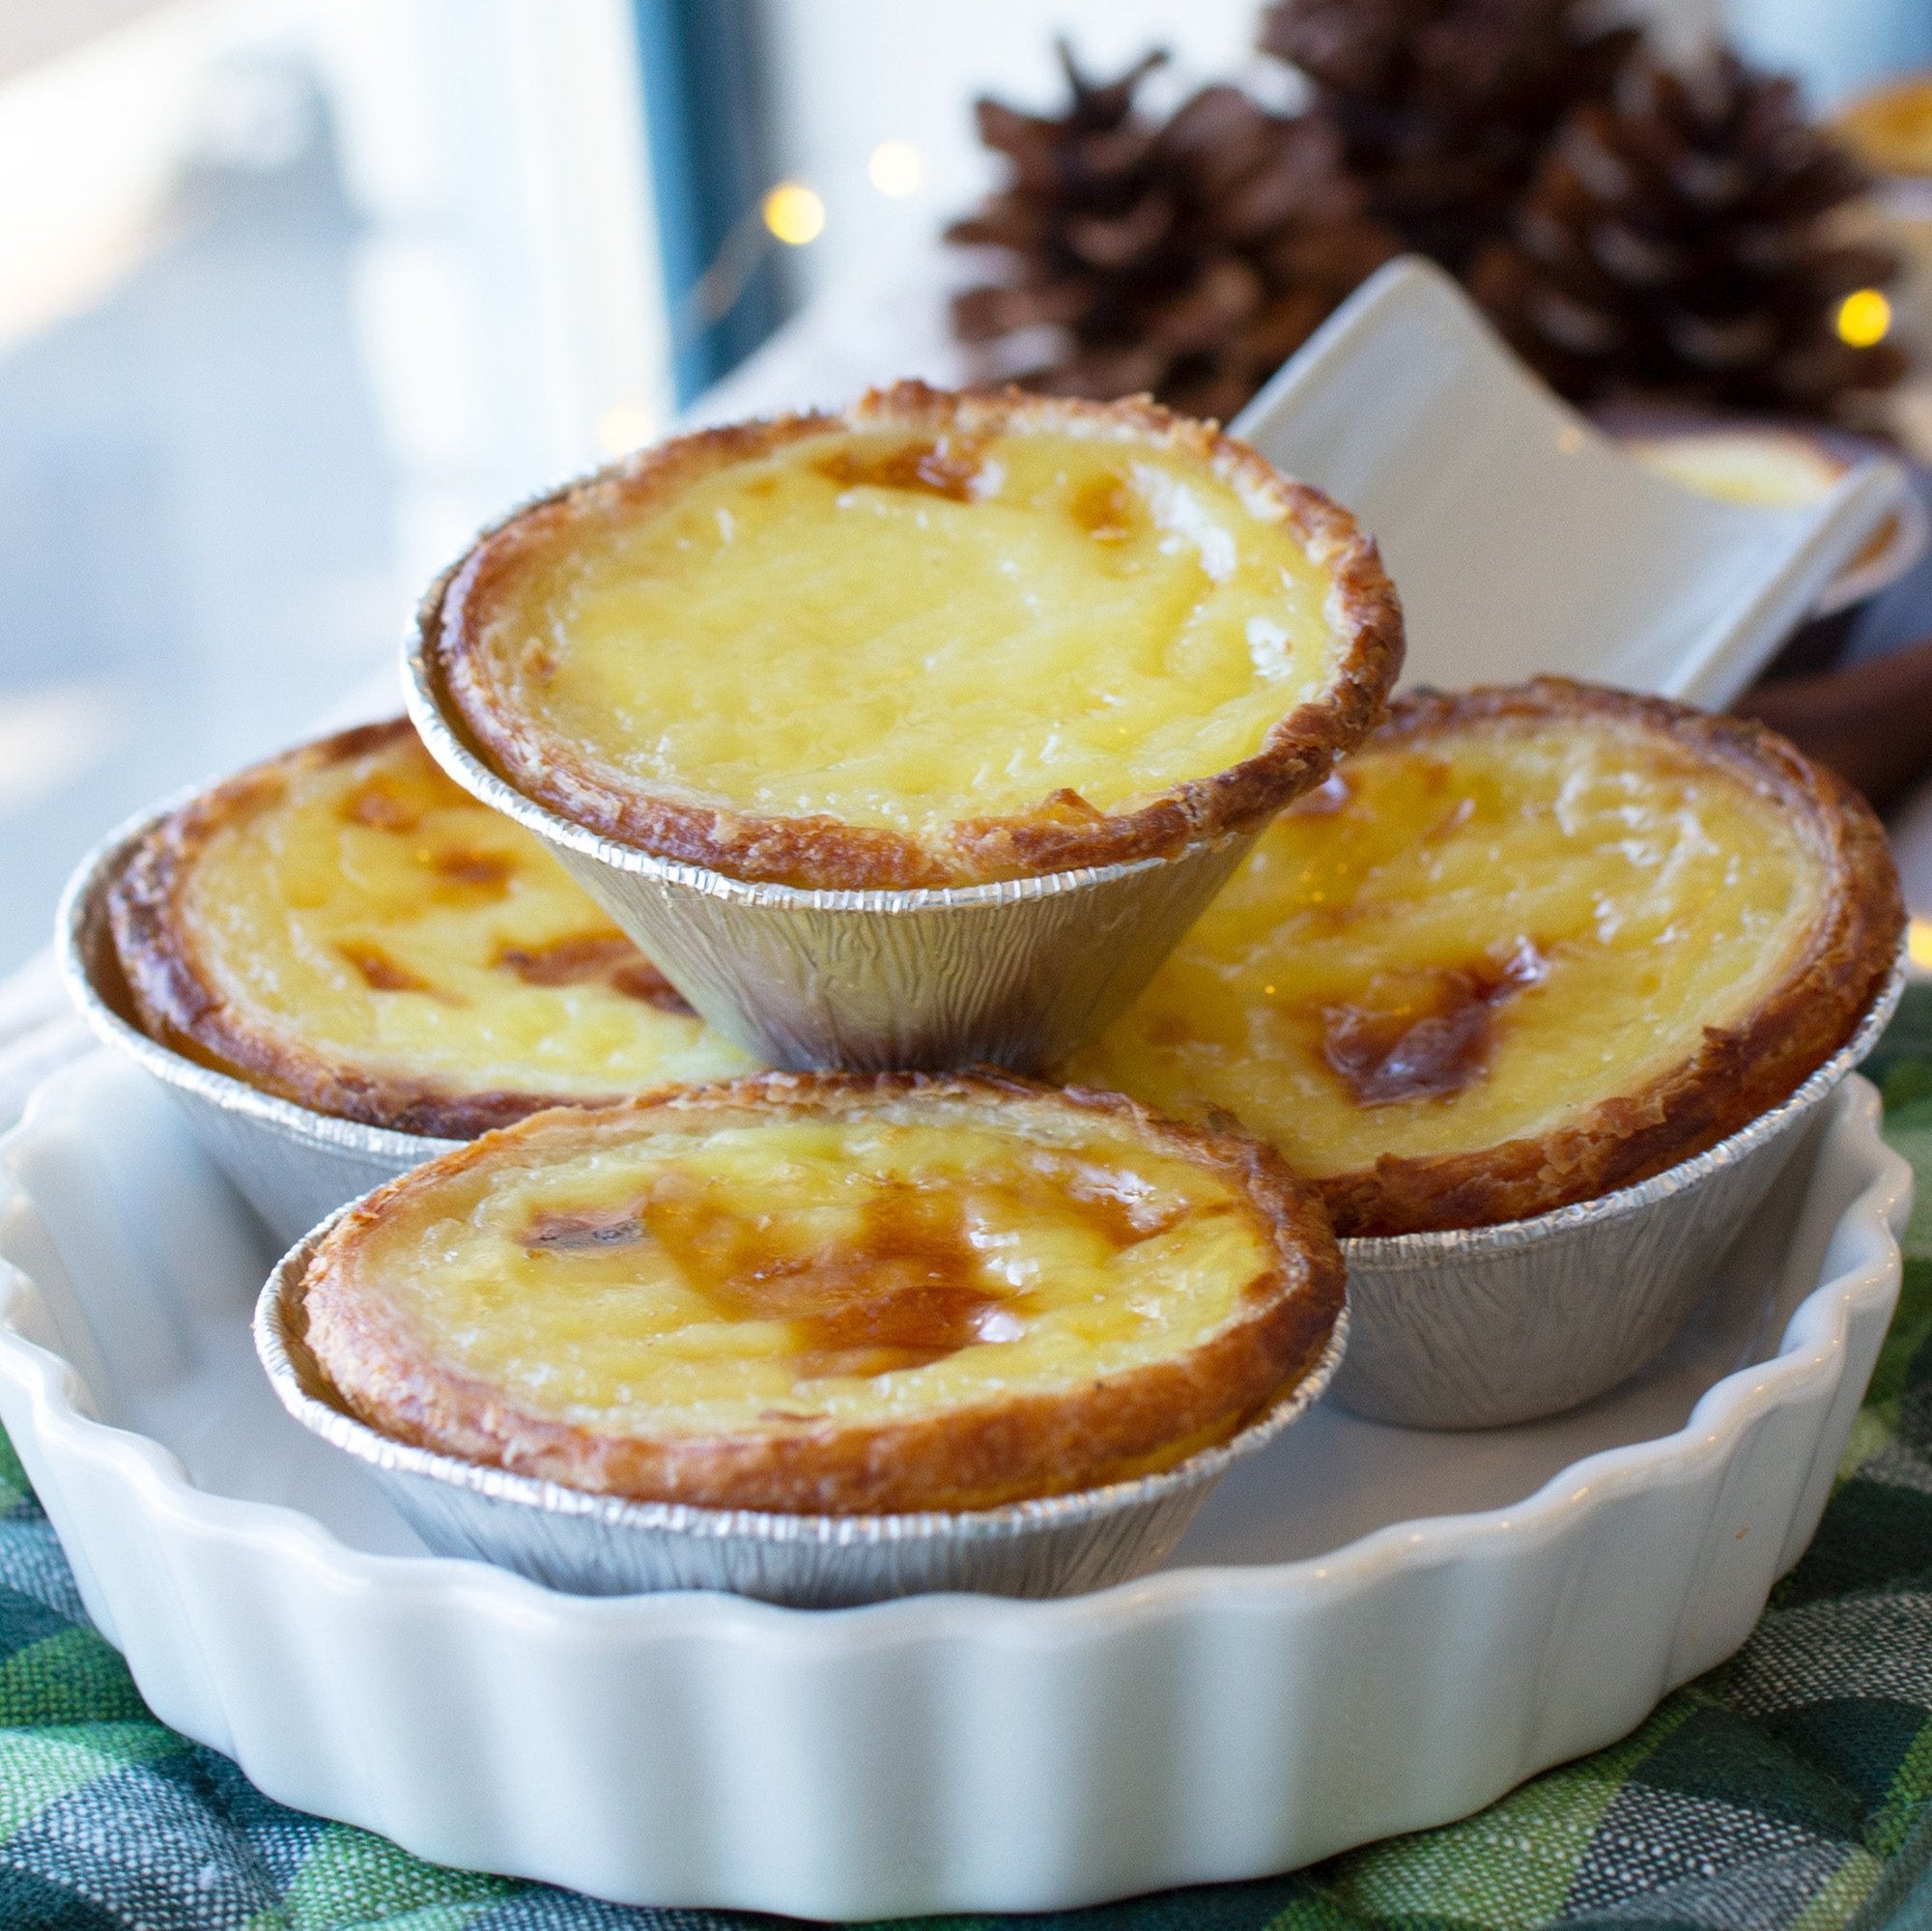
(294, 293)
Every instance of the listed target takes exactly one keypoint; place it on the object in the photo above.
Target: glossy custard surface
(368, 911)
(1471, 939)
(905, 632)
(745, 1274)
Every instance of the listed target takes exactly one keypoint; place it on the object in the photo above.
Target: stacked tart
(343, 927)
(1526, 947)
(829, 1293)
(935, 640)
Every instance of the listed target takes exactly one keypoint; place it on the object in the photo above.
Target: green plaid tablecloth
(1790, 1788)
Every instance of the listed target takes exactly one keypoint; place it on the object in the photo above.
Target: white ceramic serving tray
(1521, 538)
(1366, 1631)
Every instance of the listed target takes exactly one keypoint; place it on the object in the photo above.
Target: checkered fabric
(1790, 1790)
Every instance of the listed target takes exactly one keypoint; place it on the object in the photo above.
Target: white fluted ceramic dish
(605, 1546)
(1014, 973)
(1482, 1327)
(293, 1166)
(1365, 1631)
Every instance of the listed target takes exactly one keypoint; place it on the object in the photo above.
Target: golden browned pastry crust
(179, 1000)
(1060, 834)
(1741, 1071)
(978, 1453)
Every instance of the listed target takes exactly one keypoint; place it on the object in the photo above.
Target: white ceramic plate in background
(1365, 1632)
(1521, 537)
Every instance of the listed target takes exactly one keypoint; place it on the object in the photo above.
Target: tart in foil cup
(292, 1164)
(1012, 974)
(1481, 1326)
(593, 1545)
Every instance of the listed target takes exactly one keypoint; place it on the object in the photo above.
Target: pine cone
(1186, 259)
(1443, 107)
(1678, 243)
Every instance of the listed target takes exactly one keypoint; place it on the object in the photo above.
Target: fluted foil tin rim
(446, 745)
(1399, 1252)
(1003, 1525)
(83, 912)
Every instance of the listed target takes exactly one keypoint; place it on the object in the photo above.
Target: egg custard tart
(343, 927)
(829, 1293)
(1526, 947)
(937, 640)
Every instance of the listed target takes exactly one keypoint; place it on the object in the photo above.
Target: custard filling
(368, 911)
(905, 632)
(1471, 939)
(741, 1276)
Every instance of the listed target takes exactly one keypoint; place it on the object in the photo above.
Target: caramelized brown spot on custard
(939, 469)
(487, 872)
(586, 958)
(640, 979)
(1107, 508)
(1436, 1040)
(906, 1287)
(378, 804)
(551, 1231)
(380, 972)
(905, 1290)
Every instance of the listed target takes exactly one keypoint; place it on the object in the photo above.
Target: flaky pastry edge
(1740, 1071)
(177, 998)
(974, 1455)
(822, 852)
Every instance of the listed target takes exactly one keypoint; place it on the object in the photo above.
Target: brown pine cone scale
(1187, 258)
(1678, 241)
(1442, 108)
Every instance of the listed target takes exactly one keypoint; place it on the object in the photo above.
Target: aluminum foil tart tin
(295, 1166)
(1481, 1326)
(1016, 973)
(589, 1545)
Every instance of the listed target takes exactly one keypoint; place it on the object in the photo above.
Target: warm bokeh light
(1919, 944)
(1864, 317)
(794, 214)
(625, 426)
(896, 168)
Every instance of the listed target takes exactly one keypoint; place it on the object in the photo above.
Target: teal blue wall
(705, 125)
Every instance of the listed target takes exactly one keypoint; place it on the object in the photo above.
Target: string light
(896, 168)
(1919, 944)
(625, 426)
(794, 214)
(1865, 318)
